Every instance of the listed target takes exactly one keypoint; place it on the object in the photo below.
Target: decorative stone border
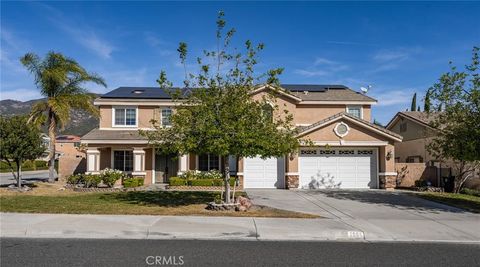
(199, 188)
(222, 206)
(97, 189)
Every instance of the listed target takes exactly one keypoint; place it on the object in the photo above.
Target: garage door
(338, 168)
(260, 173)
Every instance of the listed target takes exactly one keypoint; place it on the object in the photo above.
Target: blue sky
(398, 48)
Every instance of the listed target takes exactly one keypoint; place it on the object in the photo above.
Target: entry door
(166, 166)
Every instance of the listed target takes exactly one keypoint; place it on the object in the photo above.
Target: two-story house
(348, 149)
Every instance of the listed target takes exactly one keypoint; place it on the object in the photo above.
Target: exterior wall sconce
(389, 155)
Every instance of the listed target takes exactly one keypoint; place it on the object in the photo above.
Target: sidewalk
(192, 227)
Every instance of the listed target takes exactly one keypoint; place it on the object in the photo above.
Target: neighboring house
(71, 158)
(349, 151)
(416, 131)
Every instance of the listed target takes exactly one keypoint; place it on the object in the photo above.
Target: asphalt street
(89, 252)
(28, 177)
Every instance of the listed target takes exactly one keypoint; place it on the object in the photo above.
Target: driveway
(378, 213)
(28, 177)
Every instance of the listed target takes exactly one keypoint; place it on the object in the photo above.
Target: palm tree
(60, 81)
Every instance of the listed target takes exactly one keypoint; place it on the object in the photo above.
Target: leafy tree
(413, 107)
(377, 123)
(457, 95)
(60, 80)
(218, 116)
(427, 103)
(418, 108)
(19, 141)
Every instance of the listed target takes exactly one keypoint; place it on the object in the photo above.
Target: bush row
(107, 176)
(133, 182)
(28, 165)
(177, 181)
(194, 175)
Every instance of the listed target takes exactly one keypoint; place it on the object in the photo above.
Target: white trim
(387, 173)
(119, 128)
(240, 173)
(281, 91)
(351, 120)
(139, 173)
(100, 141)
(153, 166)
(337, 102)
(356, 106)
(125, 108)
(303, 124)
(350, 143)
(291, 173)
(161, 116)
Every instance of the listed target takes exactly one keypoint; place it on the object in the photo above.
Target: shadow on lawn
(163, 198)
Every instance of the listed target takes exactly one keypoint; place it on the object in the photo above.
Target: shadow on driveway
(398, 200)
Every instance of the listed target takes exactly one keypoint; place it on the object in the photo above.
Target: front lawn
(463, 201)
(133, 203)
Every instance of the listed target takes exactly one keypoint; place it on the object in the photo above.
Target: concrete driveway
(381, 214)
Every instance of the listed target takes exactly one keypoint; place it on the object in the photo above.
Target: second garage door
(338, 168)
(260, 173)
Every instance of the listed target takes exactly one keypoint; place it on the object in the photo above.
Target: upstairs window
(355, 111)
(208, 162)
(125, 117)
(267, 111)
(166, 117)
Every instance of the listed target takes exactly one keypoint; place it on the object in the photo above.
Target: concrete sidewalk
(193, 227)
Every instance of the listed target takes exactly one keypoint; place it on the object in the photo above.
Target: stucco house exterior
(349, 151)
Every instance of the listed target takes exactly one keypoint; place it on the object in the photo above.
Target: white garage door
(259, 173)
(338, 168)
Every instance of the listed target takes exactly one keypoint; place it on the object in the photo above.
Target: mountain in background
(80, 122)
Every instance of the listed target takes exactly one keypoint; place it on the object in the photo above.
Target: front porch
(137, 161)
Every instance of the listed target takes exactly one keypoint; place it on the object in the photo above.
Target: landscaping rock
(241, 208)
(244, 202)
(222, 206)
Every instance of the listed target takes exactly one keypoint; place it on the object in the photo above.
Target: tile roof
(424, 117)
(97, 134)
(302, 129)
(315, 92)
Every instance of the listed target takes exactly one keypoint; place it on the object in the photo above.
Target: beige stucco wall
(145, 115)
(414, 130)
(308, 114)
(415, 147)
(105, 116)
(71, 160)
(282, 102)
(356, 133)
(384, 164)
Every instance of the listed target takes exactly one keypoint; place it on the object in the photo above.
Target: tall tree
(427, 103)
(413, 106)
(60, 80)
(457, 95)
(19, 141)
(218, 115)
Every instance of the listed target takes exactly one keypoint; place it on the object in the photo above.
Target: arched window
(267, 111)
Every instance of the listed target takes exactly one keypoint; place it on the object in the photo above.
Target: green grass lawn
(138, 203)
(463, 201)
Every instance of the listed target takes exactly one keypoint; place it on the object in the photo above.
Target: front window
(166, 117)
(208, 162)
(123, 160)
(125, 116)
(355, 111)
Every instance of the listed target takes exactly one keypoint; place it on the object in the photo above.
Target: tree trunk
(52, 125)
(226, 197)
(19, 174)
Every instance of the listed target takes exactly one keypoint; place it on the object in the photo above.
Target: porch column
(387, 174)
(182, 164)
(138, 161)
(93, 160)
(291, 171)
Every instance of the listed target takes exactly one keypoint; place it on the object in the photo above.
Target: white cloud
(20, 94)
(324, 61)
(311, 73)
(391, 55)
(81, 33)
(395, 97)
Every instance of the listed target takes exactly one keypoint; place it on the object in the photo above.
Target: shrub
(41, 164)
(133, 182)
(27, 165)
(471, 192)
(219, 182)
(420, 183)
(201, 182)
(193, 175)
(188, 175)
(109, 176)
(76, 179)
(92, 180)
(175, 181)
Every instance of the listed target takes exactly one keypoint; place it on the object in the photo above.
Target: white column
(182, 164)
(93, 161)
(138, 161)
